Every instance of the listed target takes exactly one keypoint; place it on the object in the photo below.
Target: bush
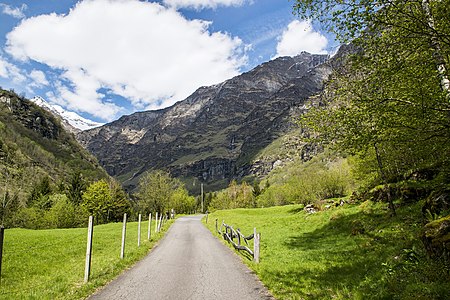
(303, 183)
(30, 217)
(235, 196)
(64, 214)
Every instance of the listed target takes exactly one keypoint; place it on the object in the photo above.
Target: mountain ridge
(213, 135)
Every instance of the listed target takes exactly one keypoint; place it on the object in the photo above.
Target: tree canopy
(159, 192)
(388, 97)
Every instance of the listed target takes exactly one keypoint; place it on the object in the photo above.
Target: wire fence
(27, 258)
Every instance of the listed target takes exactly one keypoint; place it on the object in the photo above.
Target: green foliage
(76, 187)
(159, 192)
(9, 205)
(64, 214)
(325, 176)
(346, 252)
(181, 202)
(39, 195)
(106, 201)
(235, 196)
(387, 99)
(256, 188)
(36, 154)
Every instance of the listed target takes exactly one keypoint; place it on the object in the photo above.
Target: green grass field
(349, 252)
(49, 264)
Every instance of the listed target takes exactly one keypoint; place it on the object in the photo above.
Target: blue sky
(106, 58)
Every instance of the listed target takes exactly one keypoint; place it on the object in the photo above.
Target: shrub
(303, 183)
(64, 214)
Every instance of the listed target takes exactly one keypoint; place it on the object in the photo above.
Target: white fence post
(256, 245)
(160, 221)
(156, 222)
(124, 231)
(87, 269)
(149, 225)
(139, 231)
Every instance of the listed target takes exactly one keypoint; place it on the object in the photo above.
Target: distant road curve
(189, 263)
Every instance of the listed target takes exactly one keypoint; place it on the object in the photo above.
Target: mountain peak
(215, 134)
(70, 120)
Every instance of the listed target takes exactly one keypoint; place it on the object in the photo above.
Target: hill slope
(33, 144)
(354, 251)
(215, 133)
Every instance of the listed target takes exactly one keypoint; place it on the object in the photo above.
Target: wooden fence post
(87, 269)
(156, 222)
(124, 231)
(139, 230)
(256, 245)
(149, 225)
(2, 234)
(160, 221)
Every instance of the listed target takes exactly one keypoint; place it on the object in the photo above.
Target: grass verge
(348, 252)
(49, 264)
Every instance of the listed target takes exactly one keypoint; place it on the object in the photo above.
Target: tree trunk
(437, 51)
(384, 178)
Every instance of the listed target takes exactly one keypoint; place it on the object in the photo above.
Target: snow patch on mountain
(71, 118)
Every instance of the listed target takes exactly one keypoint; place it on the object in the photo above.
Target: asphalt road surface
(189, 263)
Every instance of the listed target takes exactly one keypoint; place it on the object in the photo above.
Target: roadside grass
(49, 264)
(348, 252)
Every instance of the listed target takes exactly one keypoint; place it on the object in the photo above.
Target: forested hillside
(38, 158)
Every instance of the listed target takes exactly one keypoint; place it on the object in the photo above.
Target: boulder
(310, 209)
(436, 238)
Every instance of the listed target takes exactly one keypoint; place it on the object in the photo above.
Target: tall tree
(390, 95)
(155, 191)
(411, 20)
(106, 201)
(76, 187)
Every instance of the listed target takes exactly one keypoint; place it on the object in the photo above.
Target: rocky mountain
(70, 120)
(216, 133)
(34, 144)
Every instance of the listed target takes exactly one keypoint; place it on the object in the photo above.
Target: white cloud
(39, 79)
(15, 12)
(3, 68)
(142, 51)
(11, 71)
(300, 36)
(199, 4)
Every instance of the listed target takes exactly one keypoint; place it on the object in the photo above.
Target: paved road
(189, 263)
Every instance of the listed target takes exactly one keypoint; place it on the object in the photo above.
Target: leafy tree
(256, 188)
(9, 206)
(236, 195)
(105, 201)
(40, 193)
(208, 199)
(64, 214)
(76, 187)
(390, 99)
(155, 191)
(181, 202)
(120, 200)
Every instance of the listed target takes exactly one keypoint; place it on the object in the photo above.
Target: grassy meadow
(349, 252)
(49, 264)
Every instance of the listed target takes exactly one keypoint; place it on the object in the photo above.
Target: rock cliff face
(214, 134)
